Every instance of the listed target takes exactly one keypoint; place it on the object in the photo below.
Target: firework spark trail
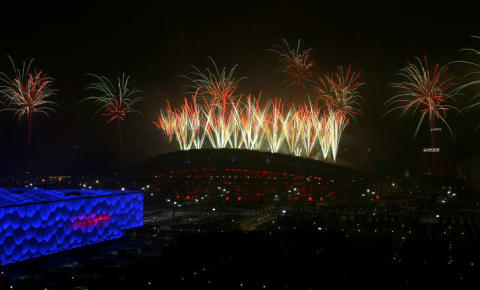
(475, 72)
(114, 101)
(338, 123)
(340, 91)
(221, 104)
(296, 63)
(191, 120)
(252, 123)
(291, 125)
(27, 93)
(185, 133)
(325, 134)
(425, 91)
(166, 122)
(309, 115)
(236, 140)
(186, 123)
(275, 133)
(216, 84)
(219, 123)
(473, 78)
(195, 123)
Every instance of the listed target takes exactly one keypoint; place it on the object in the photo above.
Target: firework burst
(230, 120)
(340, 94)
(253, 119)
(166, 122)
(218, 88)
(236, 140)
(327, 133)
(185, 123)
(424, 91)
(309, 115)
(291, 124)
(296, 63)
(220, 123)
(340, 91)
(114, 101)
(196, 119)
(336, 123)
(27, 93)
(219, 85)
(274, 126)
(473, 76)
(248, 124)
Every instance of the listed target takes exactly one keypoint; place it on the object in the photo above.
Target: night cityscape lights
(238, 145)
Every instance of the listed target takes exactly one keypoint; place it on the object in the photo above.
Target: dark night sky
(155, 43)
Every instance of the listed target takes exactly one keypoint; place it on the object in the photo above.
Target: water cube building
(36, 222)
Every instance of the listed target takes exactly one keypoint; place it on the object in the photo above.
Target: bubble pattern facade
(36, 222)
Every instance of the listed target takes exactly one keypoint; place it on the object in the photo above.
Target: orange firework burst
(250, 125)
(216, 84)
(339, 91)
(227, 119)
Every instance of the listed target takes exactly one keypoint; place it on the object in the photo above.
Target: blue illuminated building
(37, 222)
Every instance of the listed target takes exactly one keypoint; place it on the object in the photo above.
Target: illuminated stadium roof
(241, 158)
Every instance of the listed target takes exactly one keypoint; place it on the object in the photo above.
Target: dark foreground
(288, 252)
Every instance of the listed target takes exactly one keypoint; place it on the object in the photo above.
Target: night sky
(155, 43)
